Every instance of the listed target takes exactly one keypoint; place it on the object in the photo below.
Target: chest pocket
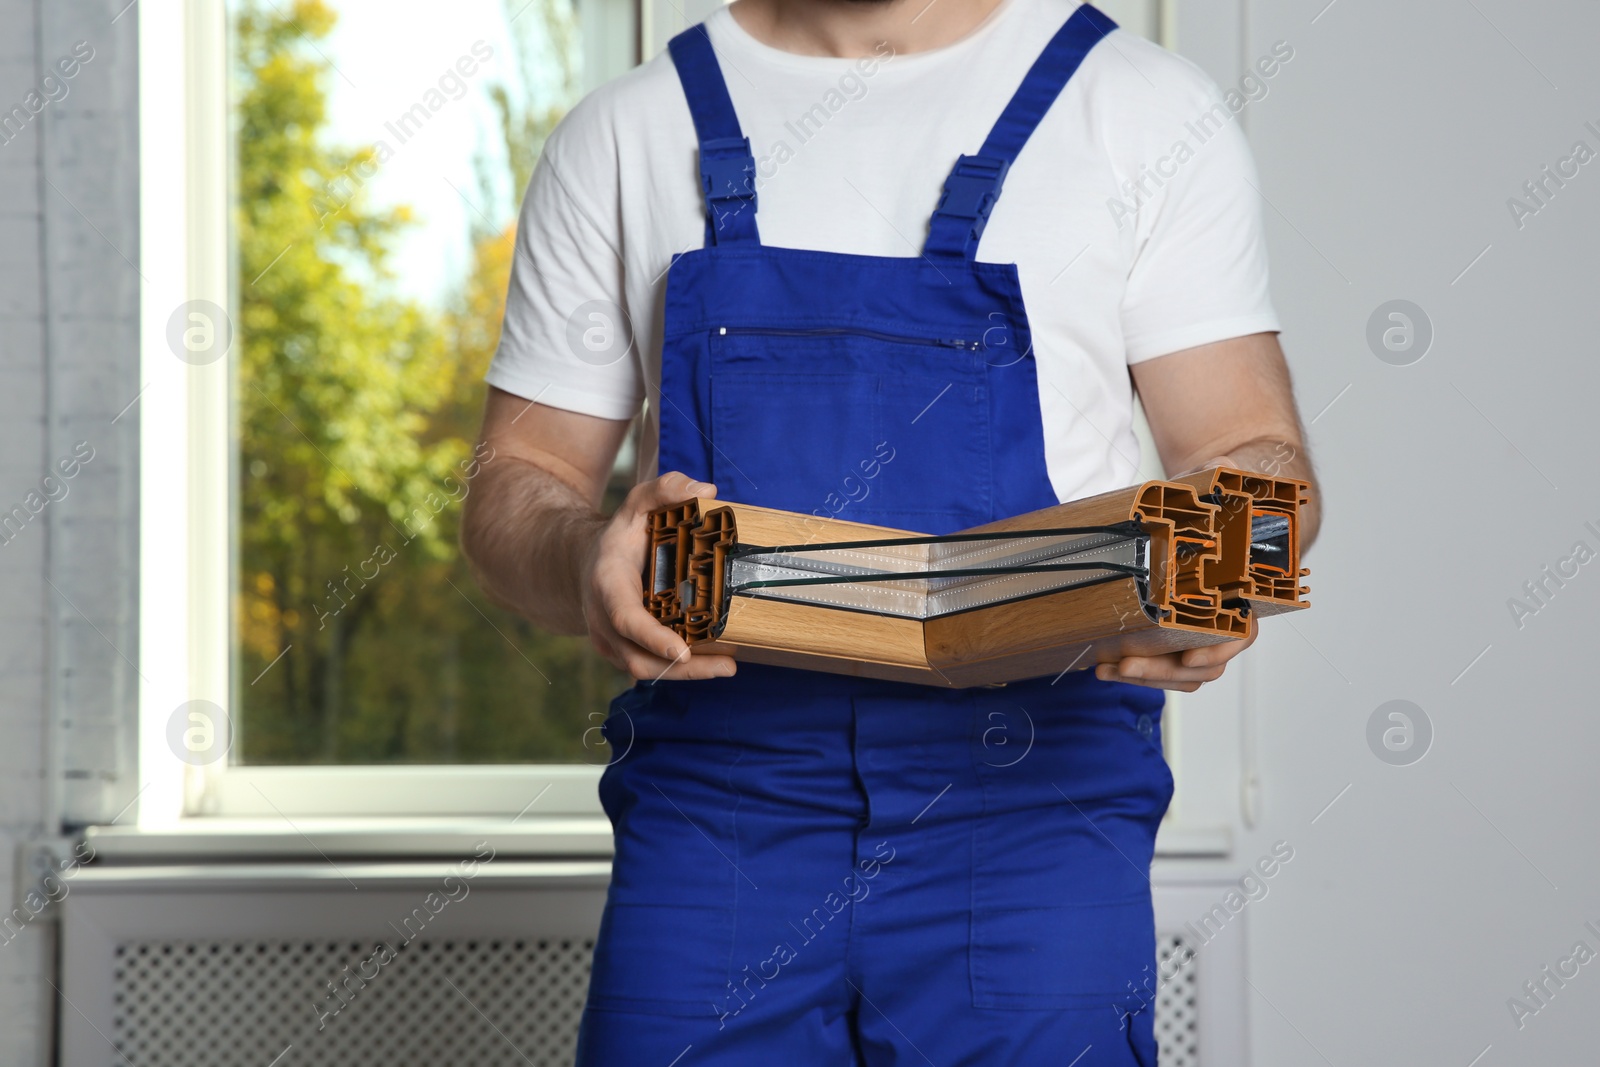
(857, 425)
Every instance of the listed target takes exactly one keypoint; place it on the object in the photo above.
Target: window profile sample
(1152, 568)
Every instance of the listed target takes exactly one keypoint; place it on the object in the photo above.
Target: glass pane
(381, 151)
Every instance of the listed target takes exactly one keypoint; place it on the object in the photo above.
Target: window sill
(373, 838)
(1175, 841)
(234, 839)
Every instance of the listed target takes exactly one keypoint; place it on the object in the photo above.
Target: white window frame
(183, 554)
(186, 551)
(187, 439)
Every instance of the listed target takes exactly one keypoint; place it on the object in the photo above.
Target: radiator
(511, 1001)
(274, 966)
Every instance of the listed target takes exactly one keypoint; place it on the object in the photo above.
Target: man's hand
(1183, 671)
(538, 544)
(613, 590)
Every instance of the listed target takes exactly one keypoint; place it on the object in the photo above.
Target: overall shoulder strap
(973, 187)
(727, 168)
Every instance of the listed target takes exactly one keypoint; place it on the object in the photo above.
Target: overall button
(1147, 726)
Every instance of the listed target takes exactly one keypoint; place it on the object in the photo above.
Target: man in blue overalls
(786, 241)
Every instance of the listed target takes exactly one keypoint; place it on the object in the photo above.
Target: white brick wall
(68, 364)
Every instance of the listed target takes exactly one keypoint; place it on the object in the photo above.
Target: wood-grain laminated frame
(1212, 549)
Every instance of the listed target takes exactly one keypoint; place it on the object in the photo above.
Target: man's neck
(855, 28)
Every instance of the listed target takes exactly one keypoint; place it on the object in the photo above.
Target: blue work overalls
(813, 869)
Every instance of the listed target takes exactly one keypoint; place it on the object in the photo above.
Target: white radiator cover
(485, 1002)
(280, 965)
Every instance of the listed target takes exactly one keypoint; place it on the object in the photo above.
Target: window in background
(381, 149)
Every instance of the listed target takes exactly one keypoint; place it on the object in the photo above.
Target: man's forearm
(527, 535)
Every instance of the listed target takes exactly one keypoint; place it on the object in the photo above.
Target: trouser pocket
(1061, 909)
(1078, 956)
(656, 959)
(1141, 1032)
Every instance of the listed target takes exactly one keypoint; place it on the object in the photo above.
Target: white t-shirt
(851, 156)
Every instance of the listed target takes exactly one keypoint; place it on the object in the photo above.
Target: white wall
(68, 366)
(1423, 899)
(665, 19)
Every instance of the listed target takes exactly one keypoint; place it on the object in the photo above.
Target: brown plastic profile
(1221, 545)
(1270, 587)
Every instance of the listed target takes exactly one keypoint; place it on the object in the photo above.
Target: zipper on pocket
(839, 331)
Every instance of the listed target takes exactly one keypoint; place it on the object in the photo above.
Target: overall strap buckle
(727, 167)
(970, 193)
(727, 176)
(971, 189)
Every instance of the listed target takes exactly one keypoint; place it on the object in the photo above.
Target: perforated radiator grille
(482, 1002)
(240, 1004)
(1177, 1018)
